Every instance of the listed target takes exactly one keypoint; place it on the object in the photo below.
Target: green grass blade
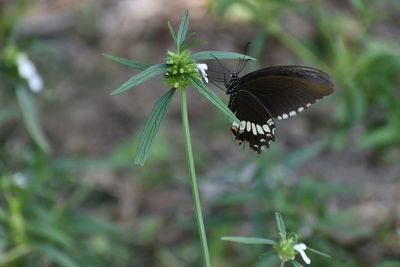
(214, 99)
(172, 33)
(281, 225)
(30, 116)
(249, 240)
(145, 75)
(152, 126)
(203, 55)
(183, 27)
(296, 264)
(56, 255)
(131, 63)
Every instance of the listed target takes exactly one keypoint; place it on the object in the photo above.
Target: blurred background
(70, 195)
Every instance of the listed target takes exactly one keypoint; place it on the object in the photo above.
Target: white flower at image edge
(27, 70)
(301, 247)
(202, 69)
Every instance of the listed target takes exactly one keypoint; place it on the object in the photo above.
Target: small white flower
(301, 247)
(27, 70)
(202, 69)
(20, 179)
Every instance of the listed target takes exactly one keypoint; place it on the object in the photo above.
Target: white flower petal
(27, 70)
(20, 179)
(202, 69)
(301, 247)
(36, 83)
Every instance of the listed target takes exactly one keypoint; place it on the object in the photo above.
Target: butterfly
(273, 92)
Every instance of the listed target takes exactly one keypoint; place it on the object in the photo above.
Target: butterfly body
(273, 92)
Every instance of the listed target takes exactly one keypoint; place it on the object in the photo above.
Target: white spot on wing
(243, 125)
(235, 124)
(259, 129)
(253, 127)
(285, 116)
(300, 109)
(248, 128)
(266, 128)
(279, 117)
(308, 105)
(292, 113)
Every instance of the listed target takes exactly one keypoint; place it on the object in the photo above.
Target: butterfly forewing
(257, 126)
(287, 90)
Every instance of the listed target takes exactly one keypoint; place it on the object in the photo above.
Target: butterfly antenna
(243, 61)
(244, 65)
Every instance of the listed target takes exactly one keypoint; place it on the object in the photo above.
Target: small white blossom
(202, 69)
(20, 179)
(301, 247)
(27, 70)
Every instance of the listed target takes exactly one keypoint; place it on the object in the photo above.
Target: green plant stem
(14, 254)
(282, 264)
(193, 180)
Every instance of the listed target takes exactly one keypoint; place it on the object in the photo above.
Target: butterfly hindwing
(257, 126)
(287, 90)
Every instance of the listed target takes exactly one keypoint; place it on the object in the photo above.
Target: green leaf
(249, 240)
(131, 63)
(281, 226)
(145, 75)
(383, 136)
(56, 255)
(50, 234)
(172, 33)
(152, 126)
(318, 252)
(8, 113)
(30, 116)
(180, 38)
(296, 264)
(213, 98)
(203, 55)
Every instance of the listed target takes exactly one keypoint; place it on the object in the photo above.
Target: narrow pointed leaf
(203, 55)
(183, 27)
(145, 75)
(172, 33)
(318, 252)
(296, 264)
(31, 119)
(281, 225)
(249, 240)
(131, 63)
(152, 126)
(214, 99)
(56, 255)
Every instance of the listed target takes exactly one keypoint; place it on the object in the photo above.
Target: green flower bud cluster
(284, 248)
(179, 70)
(8, 63)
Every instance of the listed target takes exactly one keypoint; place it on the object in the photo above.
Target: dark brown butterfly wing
(287, 90)
(257, 126)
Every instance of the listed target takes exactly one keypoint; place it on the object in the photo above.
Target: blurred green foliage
(50, 217)
(43, 218)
